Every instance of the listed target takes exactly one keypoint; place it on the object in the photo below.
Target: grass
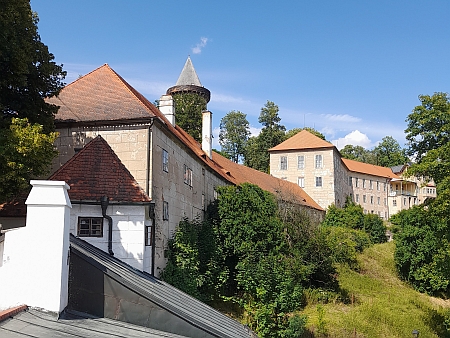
(373, 302)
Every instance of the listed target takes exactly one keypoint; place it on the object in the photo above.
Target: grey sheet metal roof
(35, 323)
(164, 295)
(188, 75)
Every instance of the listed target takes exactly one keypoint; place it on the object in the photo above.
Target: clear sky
(352, 69)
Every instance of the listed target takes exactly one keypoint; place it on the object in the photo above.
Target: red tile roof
(370, 169)
(5, 314)
(302, 140)
(286, 190)
(101, 95)
(96, 171)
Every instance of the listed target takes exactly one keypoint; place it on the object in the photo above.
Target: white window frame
(318, 162)
(301, 182)
(283, 162)
(319, 182)
(301, 162)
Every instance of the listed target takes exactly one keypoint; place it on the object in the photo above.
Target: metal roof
(175, 302)
(35, 323)
(188, 75)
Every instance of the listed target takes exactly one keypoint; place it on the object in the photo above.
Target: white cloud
(254, 131)
(215, 143)
(341, 118)
(227, 99)
(355, 138)
(198, 48)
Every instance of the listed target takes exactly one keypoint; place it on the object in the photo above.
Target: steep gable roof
(101, 95)
(96, 171)
(286, 190)
(370, 169)
(302, 140)
(188, 76)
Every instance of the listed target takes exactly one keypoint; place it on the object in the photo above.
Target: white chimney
(207, 132)
(35, 270)
(167, 107)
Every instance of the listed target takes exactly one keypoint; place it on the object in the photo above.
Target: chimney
(207, 132)
(36, 257)
(167, 107)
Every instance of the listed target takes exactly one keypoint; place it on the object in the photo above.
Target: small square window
(165, 161)
(283, 162)
(90, 226)
(301, 162)
(318, 163)
(165, 211)
(318, 181)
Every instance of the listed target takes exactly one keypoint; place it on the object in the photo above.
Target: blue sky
(350, 69)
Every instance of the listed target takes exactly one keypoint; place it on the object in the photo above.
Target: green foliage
(188, 111)
(28, 73)
(234, 134)
(358, 153)
(272, 134)
(388, 153)
(194, 260)
(422, 254)
(25, 153)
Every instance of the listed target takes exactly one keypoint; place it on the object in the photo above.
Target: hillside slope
(375, 303)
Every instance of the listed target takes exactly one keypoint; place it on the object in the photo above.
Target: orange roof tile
(96, 171)
(370, 169)
(101, 95)
(302, 140)
(288, 190)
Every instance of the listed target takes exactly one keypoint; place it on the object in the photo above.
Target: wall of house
(324, 195)
(371, 192)
(128, 239)
(130, 143)
(184, 199)
(342, 185)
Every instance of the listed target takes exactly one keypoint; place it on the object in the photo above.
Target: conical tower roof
(188, 75)
(188, 82)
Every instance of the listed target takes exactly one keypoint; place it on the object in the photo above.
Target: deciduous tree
(188, 113)
(388, 153)
(234, 134)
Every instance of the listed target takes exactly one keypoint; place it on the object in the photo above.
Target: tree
(428, 135)
(272, 134)
(25, 152)
(389, 153)
(28, 73)
(188, 113)
(358, 153)
(234, 134)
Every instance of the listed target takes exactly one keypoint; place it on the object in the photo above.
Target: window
(301, 162)
(378, 186)
(90, 226)
(301, 182)
(364, 183)
(356, 182)
(394, 202)
(165, 211)
(283, 162)
(203, 201)
(404, 201)
(371, 199)
(148, 235)
(364, 198)
(371, 185)
(357, 198)
(350, 181)
(318, 181)
(384, 186)
(165, 161)
(378, 200)
(187, 175)
(216, 194)
(385, 201)
(318, 161)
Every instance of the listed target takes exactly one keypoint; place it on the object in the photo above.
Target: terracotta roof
(16, 207)
(288, 190)
(5, 314)
(96, 171)
(371, 169)
(302, 140)
(101, 95)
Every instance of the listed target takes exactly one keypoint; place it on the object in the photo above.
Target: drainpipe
(104, 204)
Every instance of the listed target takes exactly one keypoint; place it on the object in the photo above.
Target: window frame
(165, 161)
(301, 162)
(187, 177)
(318, 161)
(90, 229)
(165, 211)
(301, 179)
(148, 235)
(283, 162)
(319, 180)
